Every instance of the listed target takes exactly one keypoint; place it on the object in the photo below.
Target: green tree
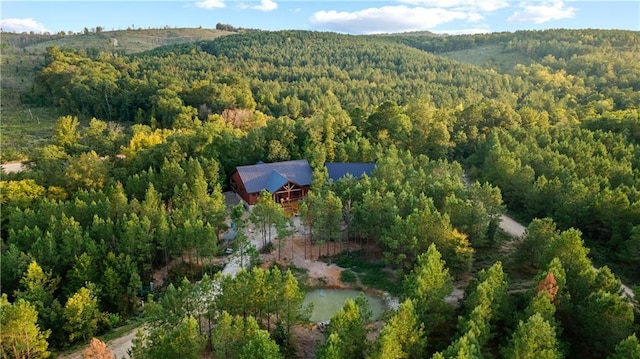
(138, 350)
(627, 348)
(534, 338)
(37, 286)
(83, 271)
(13, 264)
(21, 336)
(332, 348)
(238, 337)
(86, 171)
(536, 240)
(181, 341)
(292, 298)
(20, 193)
(486, 298)
(402, 336)
(65, 131)
(48, 163)
(467, 347)
(347, 324)
(423, 227)
(81, 314)
(428, 285)
(605, 320)
(327, 209)
(260, 346)
(265, 214)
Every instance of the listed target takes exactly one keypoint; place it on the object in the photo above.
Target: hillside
(23, 124)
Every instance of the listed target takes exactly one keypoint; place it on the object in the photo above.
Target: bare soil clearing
(12, 167)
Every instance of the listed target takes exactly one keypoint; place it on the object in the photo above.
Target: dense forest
(133, 173)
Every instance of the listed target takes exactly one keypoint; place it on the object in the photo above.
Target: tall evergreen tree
(428, 285)
(535, 338)
(402, 337)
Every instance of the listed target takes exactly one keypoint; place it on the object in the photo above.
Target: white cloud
(470, 31)
(266, 5)
(210, 4)
(22, 25)
(462, 5)
(545, 12)
(386, 19)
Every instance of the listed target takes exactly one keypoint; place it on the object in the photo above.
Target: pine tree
(402, 337)
(533, 339)
(347, 324)
(20, 335)
(627, 349)
(428, 285)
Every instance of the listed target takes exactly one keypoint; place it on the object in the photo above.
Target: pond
(326, 302)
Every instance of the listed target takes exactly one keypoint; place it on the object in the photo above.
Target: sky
(351, 16)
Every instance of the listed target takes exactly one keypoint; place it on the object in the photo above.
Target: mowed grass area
(130, 41)
(24, 128)
(490, 56)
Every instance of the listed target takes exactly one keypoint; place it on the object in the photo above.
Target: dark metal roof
(272, 176)
(338, 170)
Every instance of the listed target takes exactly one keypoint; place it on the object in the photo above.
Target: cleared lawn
(23, 129)
(489, 56)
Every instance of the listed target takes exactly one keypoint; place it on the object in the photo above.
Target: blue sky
(352, 16)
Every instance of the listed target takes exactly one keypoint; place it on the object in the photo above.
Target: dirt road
(510, 226)
(119, 346)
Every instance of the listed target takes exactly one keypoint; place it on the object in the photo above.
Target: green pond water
(328, 301)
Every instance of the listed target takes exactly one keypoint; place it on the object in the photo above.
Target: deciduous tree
(81, 314)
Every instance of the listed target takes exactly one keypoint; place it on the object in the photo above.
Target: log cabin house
(287, 181)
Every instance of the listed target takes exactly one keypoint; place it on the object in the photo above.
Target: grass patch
(24, 129)
(129, 325)
(301, 274)
(371, 274)
(348, 276)
(192, 271)
(490, 56)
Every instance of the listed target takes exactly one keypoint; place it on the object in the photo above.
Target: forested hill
(548, 67)
(361, 71)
